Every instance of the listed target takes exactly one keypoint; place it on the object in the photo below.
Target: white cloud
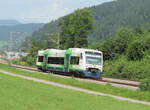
(47, 10)
(45, 13)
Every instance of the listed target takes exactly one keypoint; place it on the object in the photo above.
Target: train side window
(61, 60)
(40, 58)
(56, 60)
(74, 60)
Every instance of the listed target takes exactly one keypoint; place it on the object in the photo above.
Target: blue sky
(41, 10)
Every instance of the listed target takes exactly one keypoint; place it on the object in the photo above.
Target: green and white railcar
(86, 62)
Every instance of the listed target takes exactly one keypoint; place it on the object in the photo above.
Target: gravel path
(74, 88)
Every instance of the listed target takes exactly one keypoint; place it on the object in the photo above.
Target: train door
(45, 62)
(67, 62)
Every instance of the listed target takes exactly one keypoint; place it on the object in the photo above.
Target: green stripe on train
(70, 53)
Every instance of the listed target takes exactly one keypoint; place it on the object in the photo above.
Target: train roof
(82, 49)
(74, 50)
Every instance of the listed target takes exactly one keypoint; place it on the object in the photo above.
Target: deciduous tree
(75, 29)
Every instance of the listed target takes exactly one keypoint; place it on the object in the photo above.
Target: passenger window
(56, 60)
(74, 60)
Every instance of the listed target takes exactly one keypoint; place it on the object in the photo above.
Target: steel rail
(104, 79)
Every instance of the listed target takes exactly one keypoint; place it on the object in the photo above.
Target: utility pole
(11, 38)
(58, 42)
(11, 47)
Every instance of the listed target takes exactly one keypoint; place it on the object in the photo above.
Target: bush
(113, 68)
(145, 85)
(122, 68)
(16, 61)
(26, 61)
(138, 48)
(29, 60)
(23, 63)
(135, 51)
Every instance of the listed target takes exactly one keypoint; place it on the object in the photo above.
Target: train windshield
(93, 53)
(40, 58)
(93, 60)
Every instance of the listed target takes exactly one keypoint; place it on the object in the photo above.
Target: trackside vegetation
(20, 94)
(127, 54)
(139, 95)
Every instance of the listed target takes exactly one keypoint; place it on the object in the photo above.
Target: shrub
(29, 60)
(135, 51)
(122, 68)
(114, 68)
(26, 61)
(23, 63)
(138, 48)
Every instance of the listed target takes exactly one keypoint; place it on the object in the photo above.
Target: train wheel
(43, 70)
(39, 70)
(100, 78)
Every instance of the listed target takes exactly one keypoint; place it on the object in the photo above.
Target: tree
(50, 40)
(33, 50)
(75, 29)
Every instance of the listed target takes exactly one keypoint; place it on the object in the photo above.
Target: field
(20, 94)
(139, 95)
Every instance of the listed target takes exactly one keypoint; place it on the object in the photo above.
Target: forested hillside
(121, 13)
(109, 17)
(17, 32)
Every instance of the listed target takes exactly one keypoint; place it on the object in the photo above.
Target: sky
(41, 11)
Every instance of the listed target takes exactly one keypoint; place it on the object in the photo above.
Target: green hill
(121, 13)
(17, 32)
(22, 28)
(109, 17)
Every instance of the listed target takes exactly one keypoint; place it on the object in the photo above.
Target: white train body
(86, 62)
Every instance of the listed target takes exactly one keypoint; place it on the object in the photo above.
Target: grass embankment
(20, 94)
(91, 86)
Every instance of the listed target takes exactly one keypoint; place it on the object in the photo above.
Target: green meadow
(139, 95)
(20, 94)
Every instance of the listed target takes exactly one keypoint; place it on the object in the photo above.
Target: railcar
(84, 62)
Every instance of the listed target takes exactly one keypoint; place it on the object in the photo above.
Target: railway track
(104, 79)
(122, 83)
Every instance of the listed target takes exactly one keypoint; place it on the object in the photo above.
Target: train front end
(93, 64)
